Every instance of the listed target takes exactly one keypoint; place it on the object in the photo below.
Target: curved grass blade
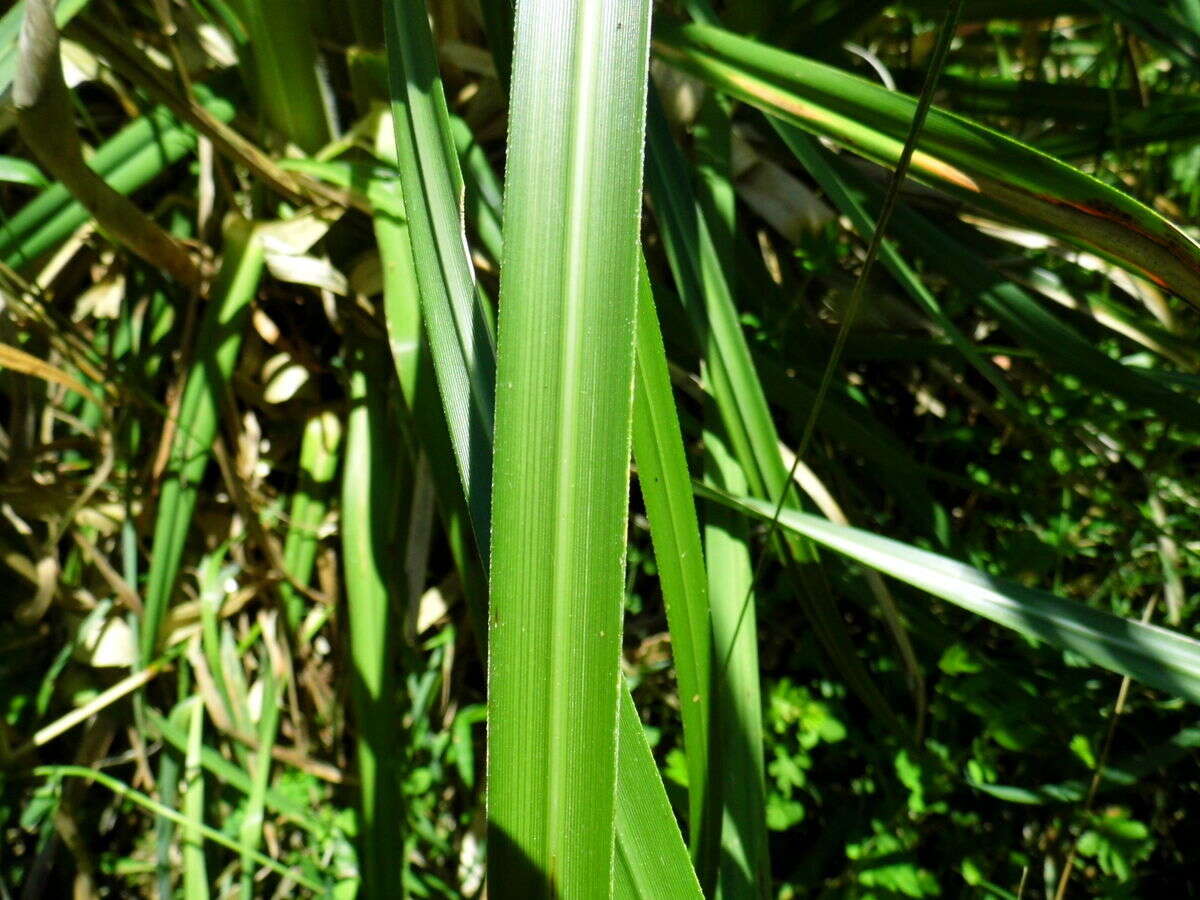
(10, 30)
(815, 160)
(207, 832)
(1174, 36)
(1035, 326)
(46, 122)
(217, 345)
(563, 409)
(415, 370)
(14, 170)
(970, 161)
(1149, 654)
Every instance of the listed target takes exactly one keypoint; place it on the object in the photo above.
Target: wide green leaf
(563, 406)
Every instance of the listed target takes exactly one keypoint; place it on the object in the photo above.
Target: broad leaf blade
(563, 407)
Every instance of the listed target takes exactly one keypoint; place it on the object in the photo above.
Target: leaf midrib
(584, 50)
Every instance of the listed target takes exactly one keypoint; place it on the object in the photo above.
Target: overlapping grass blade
(414, 367)
(206, 832)
(216, 351)
(1035, 326)
(563, 408)
(646, 865)
(970, 161)
(675, 533)
(645, 781)
(708, 300)
(460, 336)
(10, 30)
(375, 480)
(1174, 35)
(126, 161)
(738, 701)
(1149, 654)
(813, 158)
(174, 734)
(737, 748)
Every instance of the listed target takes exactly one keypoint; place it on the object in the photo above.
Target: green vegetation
(615, 448)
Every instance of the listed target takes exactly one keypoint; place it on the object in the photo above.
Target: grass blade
(970, 161)
(460, 337)
(708, 300)
(195, 871)
(319, 456)
(814, 159)
(228, 773)
(217, 345)
(415, 369)
(205, 831)
(282, 65)
(1149, 654)
(744, 863)
(126, 161)
(675, 532)
(371, 549)
(451, 367)
(563, 408)
(252, 825)
(646, 864)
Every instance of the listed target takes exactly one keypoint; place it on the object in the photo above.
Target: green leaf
(131, 158)
(281, 67)
(376, 482)
(647, 855)
(972, 162)
(563, 407)
(460, 336)
(675, 532)
(319, 456)
(731, 376)
(14, 170)
(655, 822)
(1154, 656)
